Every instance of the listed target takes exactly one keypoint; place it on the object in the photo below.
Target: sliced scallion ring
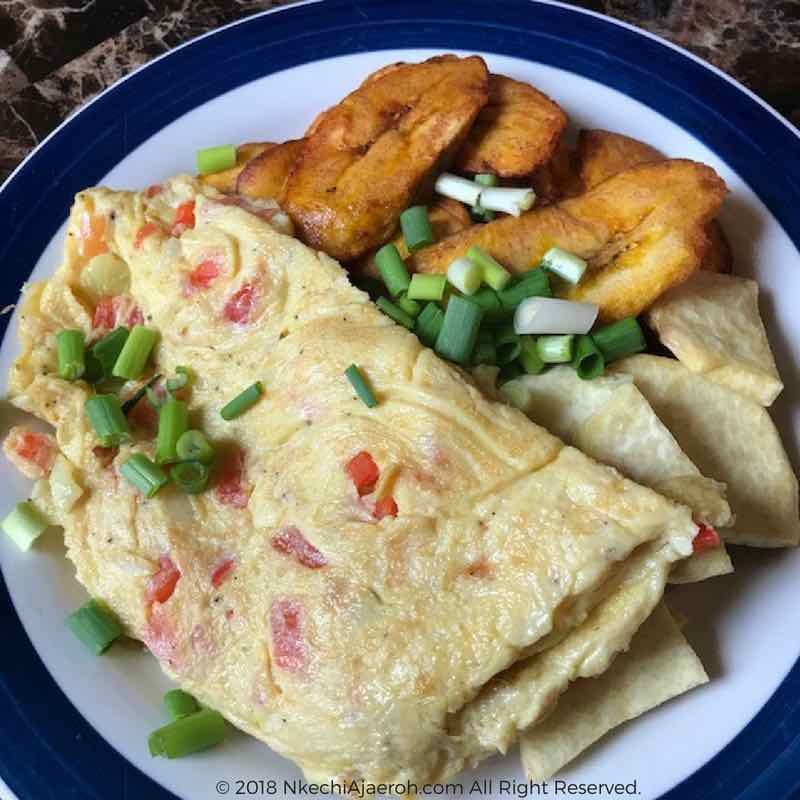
(191, 476)
(416, 228)
(198, 731)
(550, 315)
(461, 189)
(566, 265)
(216, 159)
(493, 274)
(194, 446)
(508, 200)
(465, 275)
(620, 339)
(456, 340)
(25, 524)
(360, 385)
(71, 358)
(95, 626)
(555, 349)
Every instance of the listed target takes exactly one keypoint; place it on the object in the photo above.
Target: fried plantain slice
(367, 156)
(601, 154)
(517, 130)
(266, 175)
(642, 231)
(446, 217)
(559, 177)
(225, 181)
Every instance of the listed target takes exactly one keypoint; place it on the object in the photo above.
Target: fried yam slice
(642, 231)
(517, 131)
(225, 181)
(367, 156)
(446, 217)
(266, 175)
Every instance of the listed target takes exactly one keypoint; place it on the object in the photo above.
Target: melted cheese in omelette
(354, 645)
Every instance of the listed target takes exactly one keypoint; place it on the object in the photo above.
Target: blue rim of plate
(49, 749)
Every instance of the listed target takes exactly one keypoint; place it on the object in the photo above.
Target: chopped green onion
(242, 402)
(488, 300)
(392, 269)
(551, 315)
(555, 349)
(190, 476)
(485, 351)
(179, 738)
(416, 228)
(179, 704)
(396, 313)
(427, 287)
(429, 323)
(493, 273)
(588, 361)
(216, 159)
(530, 284)
(181, 379)
(146, 476)
(456, 340)
(107, 419)
(71, 360)
(620, 339)
(478, 211)
(173, 422)
(95, 626)
(94, 369)
(457, 188)
(193, 446)
(507, 200)
(411, 307)
(508, 373)
(362, 388)
(564, 264)
(507, 343)
(465, 275)
(529, 355)
(134, 354)
(25, 524)
(107, 349)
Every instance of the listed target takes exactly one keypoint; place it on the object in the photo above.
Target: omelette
(390, 593)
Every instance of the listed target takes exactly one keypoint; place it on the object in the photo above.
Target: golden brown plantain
(602, 154)
(367, 156)
(642, 231)
(266, 175)
(446, 217)
(225, 181)
(517, 130)
(599, 155)
(559, 177)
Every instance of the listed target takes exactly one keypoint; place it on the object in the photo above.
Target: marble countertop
(56, 54)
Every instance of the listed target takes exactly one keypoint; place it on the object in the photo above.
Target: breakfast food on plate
(433, 513)
(635, 683)
(368, 157)
(320, 510)
(515, 132)
(732, 439)
(609, 419)
(225, 180)
(267, 175)
(641, 232)
(711, 323)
